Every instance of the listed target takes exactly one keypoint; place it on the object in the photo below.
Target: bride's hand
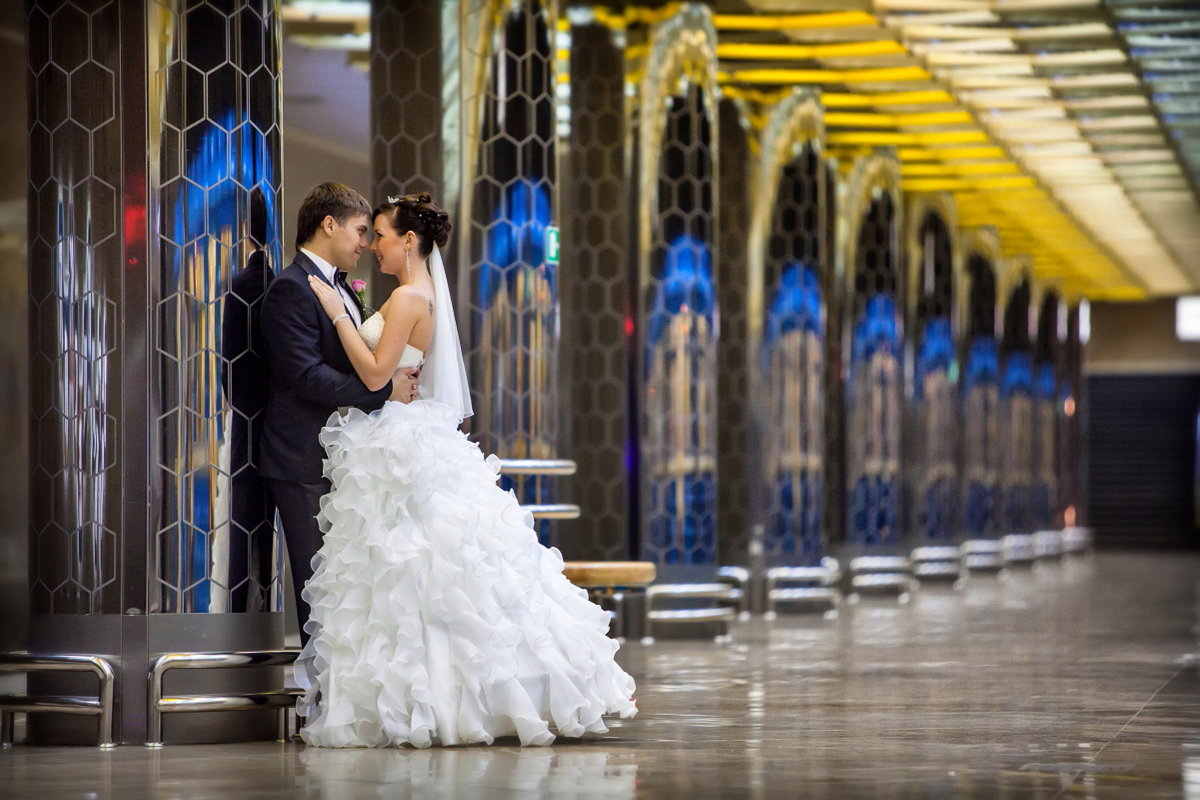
(404, 385)
(331, 301)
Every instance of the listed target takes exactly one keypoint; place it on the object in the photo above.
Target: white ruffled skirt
(437, 616)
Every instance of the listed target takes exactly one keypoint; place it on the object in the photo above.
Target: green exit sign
(552, 243)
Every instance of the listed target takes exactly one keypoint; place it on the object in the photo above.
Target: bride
(437, 616)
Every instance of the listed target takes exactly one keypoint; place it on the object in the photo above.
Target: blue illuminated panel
(679, 443)
(873, 410)
(793, 362)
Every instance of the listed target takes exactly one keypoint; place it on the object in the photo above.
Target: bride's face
(389, 247)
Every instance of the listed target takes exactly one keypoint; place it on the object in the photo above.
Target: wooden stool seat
(592, 574)
(607, 584)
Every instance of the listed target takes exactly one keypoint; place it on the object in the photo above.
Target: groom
(310, 375)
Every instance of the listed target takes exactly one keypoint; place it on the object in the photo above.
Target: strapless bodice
(411, 357)
(372, 329)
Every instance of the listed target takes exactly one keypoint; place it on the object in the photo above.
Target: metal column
(154, 132)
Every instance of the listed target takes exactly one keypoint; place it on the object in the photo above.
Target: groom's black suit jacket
(310, 376)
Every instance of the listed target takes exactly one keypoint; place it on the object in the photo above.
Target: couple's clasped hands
(405, 381)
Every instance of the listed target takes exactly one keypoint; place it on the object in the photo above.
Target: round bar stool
(608, 582)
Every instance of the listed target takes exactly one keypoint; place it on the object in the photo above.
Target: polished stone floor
(1071, 679)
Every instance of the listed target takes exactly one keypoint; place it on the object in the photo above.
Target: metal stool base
(282, 701)
(812, 589)
(101, 705)
(722, 610)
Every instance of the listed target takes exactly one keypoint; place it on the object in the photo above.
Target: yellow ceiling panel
(750, 51)
(883, 99)
(824, 76)
(776, 22)
(1030, 171)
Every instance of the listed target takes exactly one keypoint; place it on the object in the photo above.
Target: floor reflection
(1078, 679)
(465, 772)
(1191, 774)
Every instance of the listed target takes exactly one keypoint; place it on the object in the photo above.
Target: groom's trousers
(298, 504)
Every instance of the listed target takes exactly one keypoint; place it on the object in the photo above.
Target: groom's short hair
(335, 200)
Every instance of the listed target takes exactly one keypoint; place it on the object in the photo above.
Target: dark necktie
(339, 279)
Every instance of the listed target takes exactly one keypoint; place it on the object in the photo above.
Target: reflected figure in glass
(935, 369)
(679, 447)
(980, 405)
(873, 384)
(679, 434)
(244, 565)
(793, 366)
(1016, 413)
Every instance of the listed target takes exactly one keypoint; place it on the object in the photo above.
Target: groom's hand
(404, 385)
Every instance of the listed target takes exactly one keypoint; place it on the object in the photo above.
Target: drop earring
(406, 263)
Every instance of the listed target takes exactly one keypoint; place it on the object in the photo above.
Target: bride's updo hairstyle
(419, 214)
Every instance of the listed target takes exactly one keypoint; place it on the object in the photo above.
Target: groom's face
(348, 240)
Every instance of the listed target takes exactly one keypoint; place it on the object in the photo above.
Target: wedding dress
(437, 616)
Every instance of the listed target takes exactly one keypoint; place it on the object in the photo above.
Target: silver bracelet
(339, 318)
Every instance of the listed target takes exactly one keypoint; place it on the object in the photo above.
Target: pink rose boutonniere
(360, 288)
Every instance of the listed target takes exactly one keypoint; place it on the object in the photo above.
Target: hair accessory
(393, 199)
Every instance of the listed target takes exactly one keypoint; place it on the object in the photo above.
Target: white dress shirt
(329, 271)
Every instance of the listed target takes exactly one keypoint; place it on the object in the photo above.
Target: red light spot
(135, 220)
(629, 326)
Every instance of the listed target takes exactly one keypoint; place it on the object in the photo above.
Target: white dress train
(437, 616)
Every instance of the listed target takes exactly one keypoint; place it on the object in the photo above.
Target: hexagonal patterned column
(406, 98)
(464, 107)
(788, 294)
(1046, 354)
(675, 198)
(409, 148)
(597, 323)
(736, 493)
(1072, 455)
(154, 189)
(75, 291)
(1015, 428)
(509, 292)
(872, 354)
(931, 413)
(979, 389)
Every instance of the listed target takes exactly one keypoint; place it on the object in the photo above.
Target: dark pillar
(14, 346)
(734, 416)
(1072, 451)
(408, 152)
(597, 321)
(412, 139)
(1044, 507)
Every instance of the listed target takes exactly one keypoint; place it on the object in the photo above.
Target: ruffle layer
(437, 616)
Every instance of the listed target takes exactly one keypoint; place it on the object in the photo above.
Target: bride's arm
(374, 369)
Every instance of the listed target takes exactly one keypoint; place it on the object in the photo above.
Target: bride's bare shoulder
(407, 298)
